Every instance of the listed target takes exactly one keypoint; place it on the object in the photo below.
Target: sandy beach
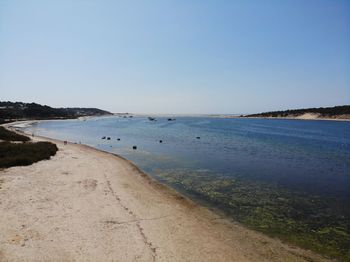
(88, 205)
(307, 116)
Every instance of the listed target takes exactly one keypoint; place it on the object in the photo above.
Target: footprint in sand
(89, 184)
(21, 237)
(15, 239)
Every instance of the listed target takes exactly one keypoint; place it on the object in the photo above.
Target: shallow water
(311, 156)
(253, 169)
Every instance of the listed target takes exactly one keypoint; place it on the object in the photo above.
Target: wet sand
(88, 205)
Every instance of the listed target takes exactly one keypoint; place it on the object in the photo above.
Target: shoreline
(198, 116)
(291, 118)
(167, 226)
(299, 118)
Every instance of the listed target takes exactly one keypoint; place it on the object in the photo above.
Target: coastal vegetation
(323, 112)
(8, 135)
(314, 222)
(17, 151)
(25, 154)
(21, 111)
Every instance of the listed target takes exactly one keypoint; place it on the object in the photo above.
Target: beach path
(87, 205)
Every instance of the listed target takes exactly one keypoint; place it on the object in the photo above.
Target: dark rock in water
(103, 137)
(118, 139)
(171, 119)
(108, 138)
(134, 147)
(160, 141)
(198, 137)
(151, 119)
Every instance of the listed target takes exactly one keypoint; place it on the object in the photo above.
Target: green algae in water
(314, 222)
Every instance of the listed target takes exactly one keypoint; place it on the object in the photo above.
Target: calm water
(309, 156)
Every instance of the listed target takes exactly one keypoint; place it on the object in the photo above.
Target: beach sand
(306, 116)
(87, 205)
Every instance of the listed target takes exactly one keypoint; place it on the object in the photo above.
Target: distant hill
(19, 110)
(336, 112)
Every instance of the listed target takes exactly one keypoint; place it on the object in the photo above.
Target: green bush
(25, 154)
(11, 136)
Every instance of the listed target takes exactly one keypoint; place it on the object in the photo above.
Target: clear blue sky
(177, 56)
